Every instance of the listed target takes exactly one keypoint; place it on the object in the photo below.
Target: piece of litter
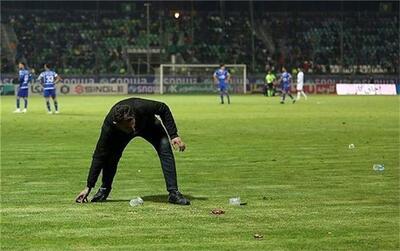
(258, 236)
(352, 146)
(136, 202)
(234, 201)
(217, 211)
(378, 167)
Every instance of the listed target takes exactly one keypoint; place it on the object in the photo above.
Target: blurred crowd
(93, 42)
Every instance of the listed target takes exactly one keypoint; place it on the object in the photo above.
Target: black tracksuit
(113, 141)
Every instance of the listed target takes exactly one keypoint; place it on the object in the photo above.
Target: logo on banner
(64, 89)
(79, 89)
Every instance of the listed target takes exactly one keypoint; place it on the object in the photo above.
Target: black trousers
(112, 143)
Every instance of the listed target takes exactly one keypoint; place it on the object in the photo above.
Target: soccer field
(304, 187)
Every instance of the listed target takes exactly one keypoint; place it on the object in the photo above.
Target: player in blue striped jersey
(286, 81)
(49, 79)
(222, 77)
(24, 78)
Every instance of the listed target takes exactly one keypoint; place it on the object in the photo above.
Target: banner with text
(82, 89)
(366, 89)
(147, 84)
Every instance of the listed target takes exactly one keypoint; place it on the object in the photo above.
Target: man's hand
(177, 143)
(82, 196)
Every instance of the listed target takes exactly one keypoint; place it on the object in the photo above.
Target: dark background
(392, 6)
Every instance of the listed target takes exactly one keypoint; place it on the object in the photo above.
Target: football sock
(56, 105)
(48, 106)
(305, 96)
(17, 103)
(25, 103)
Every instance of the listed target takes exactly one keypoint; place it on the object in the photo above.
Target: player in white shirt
(300, 84)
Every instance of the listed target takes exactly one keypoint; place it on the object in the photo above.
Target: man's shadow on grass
(160, 198)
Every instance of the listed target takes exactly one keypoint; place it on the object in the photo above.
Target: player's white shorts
(299, 87)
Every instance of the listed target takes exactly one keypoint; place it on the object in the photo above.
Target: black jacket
(112, 141)
(145, 111)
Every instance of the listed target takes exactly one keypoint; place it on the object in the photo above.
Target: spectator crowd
(94, 42)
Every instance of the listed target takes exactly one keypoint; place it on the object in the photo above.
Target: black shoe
(294, 101)
(175, 197)
(101, 195)
(282, 102)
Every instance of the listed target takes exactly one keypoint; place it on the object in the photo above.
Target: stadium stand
(90, 42)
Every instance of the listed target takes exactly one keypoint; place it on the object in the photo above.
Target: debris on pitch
(378, 167)
(258, 236)
(217, 211)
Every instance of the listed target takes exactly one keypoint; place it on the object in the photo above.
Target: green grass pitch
(304, 187)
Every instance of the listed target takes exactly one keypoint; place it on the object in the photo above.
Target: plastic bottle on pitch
(378, 167)
(136, 202)
(234, 201)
